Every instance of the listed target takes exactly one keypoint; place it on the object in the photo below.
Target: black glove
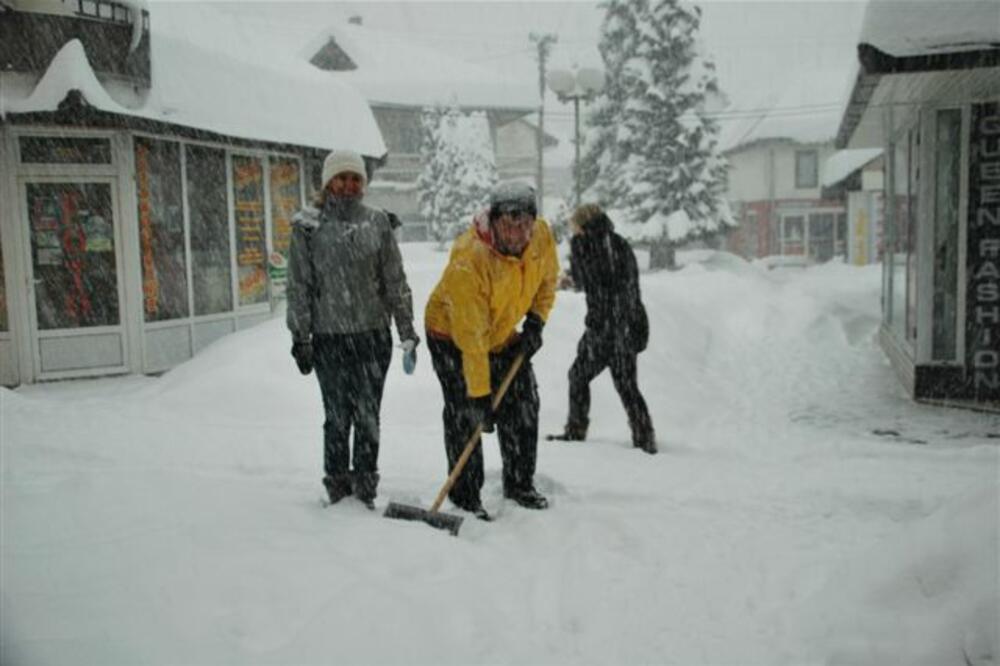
(639, 330)
(302, 352)
(482, 412)
(531, 335)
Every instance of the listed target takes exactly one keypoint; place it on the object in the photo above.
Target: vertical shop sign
(251, 249)
(150, 282)
(983, 285)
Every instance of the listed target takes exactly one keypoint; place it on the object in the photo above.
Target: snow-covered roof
(392, 70)
(903, 29)
(949, 47)
(843, 163)
(198, 82)
(807, 110)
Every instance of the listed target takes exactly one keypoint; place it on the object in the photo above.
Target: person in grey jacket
(345, 283)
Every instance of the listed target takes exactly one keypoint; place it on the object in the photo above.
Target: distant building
(776, 161)
(148, 174)
(400, 79)
(927, 93)
(857, 178)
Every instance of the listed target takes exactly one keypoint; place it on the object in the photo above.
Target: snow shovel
(446, 521)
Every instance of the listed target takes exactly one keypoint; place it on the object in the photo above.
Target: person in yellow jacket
(502, 270)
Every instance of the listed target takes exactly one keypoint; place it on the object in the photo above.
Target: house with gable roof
(400, 79)
(777, 153)
(149, 170)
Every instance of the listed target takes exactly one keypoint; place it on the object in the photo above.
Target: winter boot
(645, 441)
(365, 484)
(575, 432)
(527, 497)
(337, 487)
(475, 507)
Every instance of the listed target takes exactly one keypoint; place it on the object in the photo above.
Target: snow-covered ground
(177, 520)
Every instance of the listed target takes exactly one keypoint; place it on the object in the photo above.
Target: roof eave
(75, 111)
(874, 64)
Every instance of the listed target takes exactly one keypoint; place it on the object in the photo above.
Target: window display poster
(285, 201)
(150, 280)
(251, 241)
(983, 255)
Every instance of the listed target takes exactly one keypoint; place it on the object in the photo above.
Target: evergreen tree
(651, 151)
(458, 169)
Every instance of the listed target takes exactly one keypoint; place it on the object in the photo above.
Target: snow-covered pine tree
(651, 151)
(458, 169)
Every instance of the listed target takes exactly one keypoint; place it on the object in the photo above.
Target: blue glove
(409, 348)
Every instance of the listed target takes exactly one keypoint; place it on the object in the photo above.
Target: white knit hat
(339, 161)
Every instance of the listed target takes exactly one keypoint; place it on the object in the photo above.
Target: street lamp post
(573, 86)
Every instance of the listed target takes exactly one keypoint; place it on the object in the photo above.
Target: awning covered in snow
(943, 49)
(843, 163)
(200, 86)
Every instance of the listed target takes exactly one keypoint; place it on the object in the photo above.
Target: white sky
(756, 45)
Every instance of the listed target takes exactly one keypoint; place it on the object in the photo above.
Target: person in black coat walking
(617, 328)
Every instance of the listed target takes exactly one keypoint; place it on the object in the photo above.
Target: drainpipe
(774, 225)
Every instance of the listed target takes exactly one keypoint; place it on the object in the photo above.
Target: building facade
(400, 79)
(927, 93)
(133, 234)
(775, 192)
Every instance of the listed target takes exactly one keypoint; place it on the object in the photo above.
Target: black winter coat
(604, 266)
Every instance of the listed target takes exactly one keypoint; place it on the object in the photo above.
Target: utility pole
(544, 44)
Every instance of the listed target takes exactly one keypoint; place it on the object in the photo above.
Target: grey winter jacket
(345, 273)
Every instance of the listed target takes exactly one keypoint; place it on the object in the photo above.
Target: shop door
(75, 288)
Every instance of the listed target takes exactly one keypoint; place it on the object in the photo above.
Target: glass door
(76, 291)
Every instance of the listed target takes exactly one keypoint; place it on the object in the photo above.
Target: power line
(743, 114)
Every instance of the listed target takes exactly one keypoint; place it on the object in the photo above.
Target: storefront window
(286, 199)
(209, 218)
(899, 238)
(64, 150)
(912, 226)
(840, 245)
(946, 182)
(4, 323)
(73, 254)
(793, 234)
(821, 236)
(251, 236)
(161, 229)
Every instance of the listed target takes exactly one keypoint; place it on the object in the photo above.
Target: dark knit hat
(512, 197)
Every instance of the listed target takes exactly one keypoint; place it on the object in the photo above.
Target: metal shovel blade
(442, 521)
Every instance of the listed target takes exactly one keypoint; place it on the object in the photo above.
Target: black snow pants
(594, 353)
(351, 369)
(516, 421)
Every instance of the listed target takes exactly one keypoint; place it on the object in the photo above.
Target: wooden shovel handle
(470, 445)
